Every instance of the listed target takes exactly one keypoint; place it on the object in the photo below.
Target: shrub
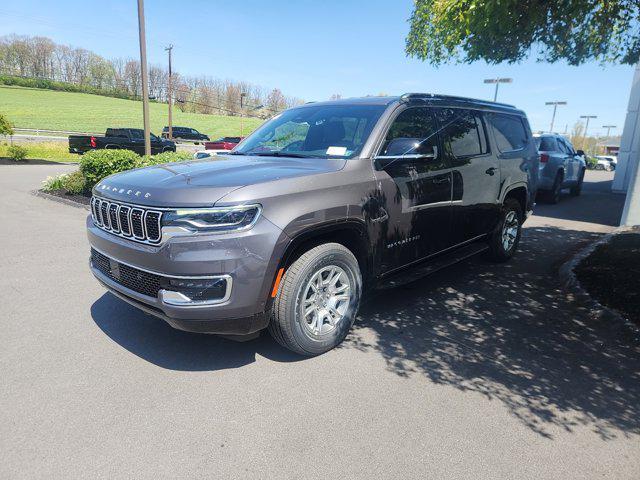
(5, 126)
(98, 164)
(75, 183)
(54, 183)
(17, 152)
(165, 157)
(591, 161)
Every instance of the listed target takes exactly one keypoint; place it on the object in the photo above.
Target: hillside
(53, 110)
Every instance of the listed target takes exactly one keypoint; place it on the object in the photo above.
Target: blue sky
(312, 49)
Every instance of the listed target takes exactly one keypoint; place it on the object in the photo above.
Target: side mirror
(580, 152)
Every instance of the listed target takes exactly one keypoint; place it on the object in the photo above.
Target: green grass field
(81, 112)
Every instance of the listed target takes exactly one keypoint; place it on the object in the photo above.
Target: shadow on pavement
(510, 333)
(153, 340)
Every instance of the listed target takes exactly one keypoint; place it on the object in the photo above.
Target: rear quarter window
(509, 131)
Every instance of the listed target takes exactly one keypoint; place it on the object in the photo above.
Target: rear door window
(546, 144)
(463, 132)
(509, 131)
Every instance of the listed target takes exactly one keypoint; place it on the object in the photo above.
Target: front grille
(135, 223)
(137, 280)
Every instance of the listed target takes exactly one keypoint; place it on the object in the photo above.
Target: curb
(571, 283)
(56, 198)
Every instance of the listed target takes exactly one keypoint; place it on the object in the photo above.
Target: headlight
(220, 219)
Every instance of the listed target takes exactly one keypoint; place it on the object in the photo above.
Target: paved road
(481, 371)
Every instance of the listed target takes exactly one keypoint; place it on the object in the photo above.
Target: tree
(506, 31)
(276, 101)
(5, 126)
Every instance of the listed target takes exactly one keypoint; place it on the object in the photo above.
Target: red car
(224, 143)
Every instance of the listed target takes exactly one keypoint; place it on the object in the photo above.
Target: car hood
(203, 182)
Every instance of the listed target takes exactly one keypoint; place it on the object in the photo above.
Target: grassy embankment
(81, 112)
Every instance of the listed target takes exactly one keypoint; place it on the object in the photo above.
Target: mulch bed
(64, 197)
(611, 274)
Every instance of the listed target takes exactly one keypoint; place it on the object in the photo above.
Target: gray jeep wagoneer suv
(323, 202)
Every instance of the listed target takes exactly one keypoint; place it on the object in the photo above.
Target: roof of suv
(426, 98)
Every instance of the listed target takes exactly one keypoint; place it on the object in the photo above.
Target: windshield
(321, 131)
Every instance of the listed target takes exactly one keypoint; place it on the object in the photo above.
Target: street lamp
(497, 81)
(609, 127)
(555, 107)
(586, 127)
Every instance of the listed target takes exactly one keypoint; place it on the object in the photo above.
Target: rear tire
(505, 239)
(553, 196)
(576, 190)
(317, 300)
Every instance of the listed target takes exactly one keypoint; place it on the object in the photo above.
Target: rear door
(475, 172)
(414, 179)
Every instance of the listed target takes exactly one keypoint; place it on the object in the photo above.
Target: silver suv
(322, 203)
(561, 166)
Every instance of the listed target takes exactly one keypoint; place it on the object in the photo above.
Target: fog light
(195, 291)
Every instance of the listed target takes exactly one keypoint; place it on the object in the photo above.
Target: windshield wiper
(280, 154)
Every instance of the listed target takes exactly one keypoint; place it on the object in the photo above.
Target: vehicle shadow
(509, 332)
(153, 340)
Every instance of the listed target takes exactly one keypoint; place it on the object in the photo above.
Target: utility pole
(242, 95)
(609, 127)
(145, 79)
(586, 127)
(170, 93)
(555, 107)
(497, 81)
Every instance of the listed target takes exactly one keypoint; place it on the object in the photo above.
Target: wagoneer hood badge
(125, 191)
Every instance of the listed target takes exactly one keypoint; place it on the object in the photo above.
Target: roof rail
(407, 97)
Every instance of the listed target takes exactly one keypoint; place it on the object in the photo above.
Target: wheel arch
(520, 192)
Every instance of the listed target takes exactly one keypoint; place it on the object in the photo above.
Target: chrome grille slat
(132, 222)
(125, 224)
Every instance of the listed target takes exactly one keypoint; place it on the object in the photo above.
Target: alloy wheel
(326, 299)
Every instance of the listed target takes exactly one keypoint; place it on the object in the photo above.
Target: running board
(429, 266)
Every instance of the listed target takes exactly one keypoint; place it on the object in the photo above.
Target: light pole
(609, 127)
(242, 95)
(497, 81)
(145, 80)
(586, 127)
(170, 94)
(555, 107)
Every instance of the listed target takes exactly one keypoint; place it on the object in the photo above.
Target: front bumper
(249, 259)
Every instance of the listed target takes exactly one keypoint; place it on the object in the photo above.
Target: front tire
(504, 241)
(317, 300)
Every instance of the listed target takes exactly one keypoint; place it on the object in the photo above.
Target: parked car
(223, 143)
(119, 138)
(321, 204)
(185, 133)
(200, 154)
(606, 162)
(561, 166)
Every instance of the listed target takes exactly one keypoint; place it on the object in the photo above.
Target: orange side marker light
(276, 285)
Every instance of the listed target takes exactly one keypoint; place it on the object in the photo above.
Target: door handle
(491, 171)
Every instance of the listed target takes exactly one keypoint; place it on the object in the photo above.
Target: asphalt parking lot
(479, 371)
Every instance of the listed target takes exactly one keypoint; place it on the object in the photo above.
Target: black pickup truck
(119, 138)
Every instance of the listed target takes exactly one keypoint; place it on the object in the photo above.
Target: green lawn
(81, 112)
(56, 151)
